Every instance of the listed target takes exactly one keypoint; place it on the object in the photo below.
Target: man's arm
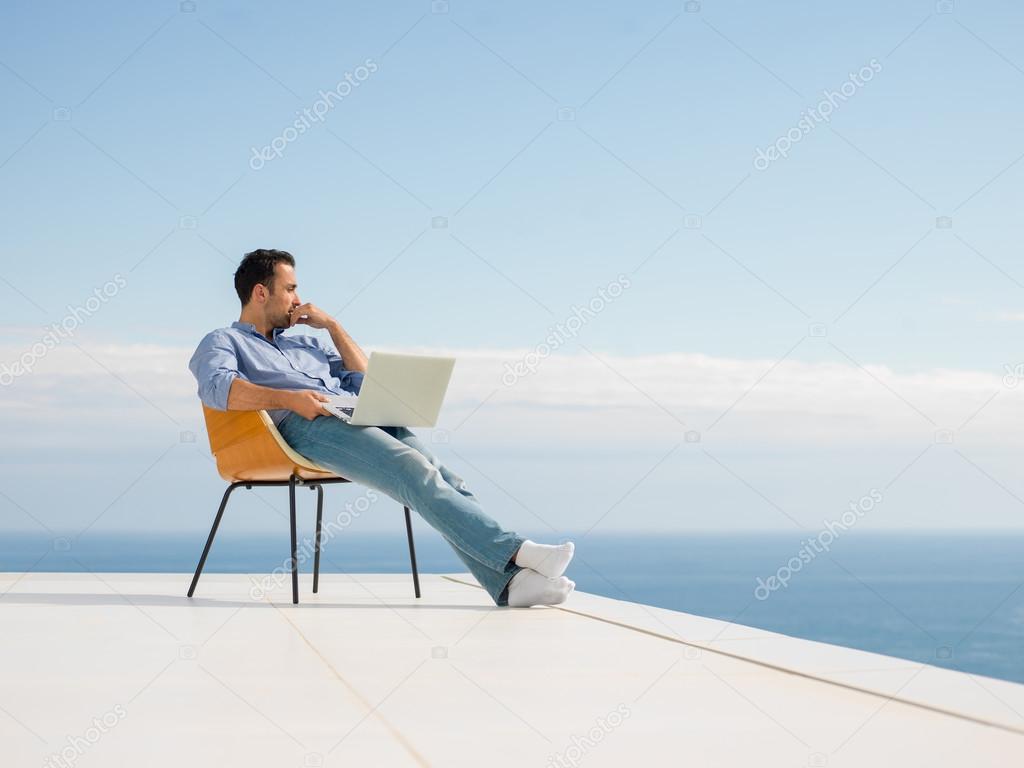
(246, 396)
(221, 386)
(350, 352)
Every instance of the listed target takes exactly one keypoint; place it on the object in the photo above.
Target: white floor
(123, 670)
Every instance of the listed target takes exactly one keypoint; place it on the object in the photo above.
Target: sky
(814, 304)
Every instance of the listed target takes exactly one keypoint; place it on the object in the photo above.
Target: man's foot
(531, 588)
(549, 560)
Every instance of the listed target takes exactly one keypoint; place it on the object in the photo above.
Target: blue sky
(563, 146)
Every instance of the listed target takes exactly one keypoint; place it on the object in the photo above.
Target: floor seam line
(371, 709)
(768, 665)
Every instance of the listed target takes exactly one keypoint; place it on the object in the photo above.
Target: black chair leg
(294, 481)
(295, 554)
(319, 522)
(412, 553)
(209, 540)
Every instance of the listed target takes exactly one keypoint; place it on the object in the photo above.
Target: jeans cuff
(502, 599)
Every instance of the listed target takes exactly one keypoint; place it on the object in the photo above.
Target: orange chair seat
(247, 446)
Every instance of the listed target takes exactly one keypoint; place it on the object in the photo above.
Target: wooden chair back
(247, 446)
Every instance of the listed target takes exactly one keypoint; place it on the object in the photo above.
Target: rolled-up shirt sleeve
(351, 381)
(215, 366)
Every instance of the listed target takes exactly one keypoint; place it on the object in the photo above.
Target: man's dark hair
(257, 268)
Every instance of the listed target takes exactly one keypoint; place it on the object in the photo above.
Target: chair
(251, 452)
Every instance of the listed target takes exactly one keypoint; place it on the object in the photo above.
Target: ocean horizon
(955, 600)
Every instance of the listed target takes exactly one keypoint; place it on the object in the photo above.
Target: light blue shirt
(287, 362)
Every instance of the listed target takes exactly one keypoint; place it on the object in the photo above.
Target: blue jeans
(395, 462)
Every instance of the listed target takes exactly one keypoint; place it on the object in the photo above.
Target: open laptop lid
(402, 390)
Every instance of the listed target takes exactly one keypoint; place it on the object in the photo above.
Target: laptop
(397, 391)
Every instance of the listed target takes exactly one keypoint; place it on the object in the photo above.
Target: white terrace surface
(363, 674)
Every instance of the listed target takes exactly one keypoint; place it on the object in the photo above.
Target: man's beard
(283, 321)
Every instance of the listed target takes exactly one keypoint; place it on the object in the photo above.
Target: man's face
(283, 298)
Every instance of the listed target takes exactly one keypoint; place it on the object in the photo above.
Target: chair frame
(257, 430)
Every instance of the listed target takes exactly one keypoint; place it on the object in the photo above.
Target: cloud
(568, 395)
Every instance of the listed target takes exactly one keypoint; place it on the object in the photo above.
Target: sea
(953, 600)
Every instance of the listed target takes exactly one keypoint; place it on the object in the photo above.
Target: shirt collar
(251, 328)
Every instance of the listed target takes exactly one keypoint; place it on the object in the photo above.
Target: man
(253, 365)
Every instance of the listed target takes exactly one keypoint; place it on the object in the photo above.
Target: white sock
(549, 560)
(531, 588)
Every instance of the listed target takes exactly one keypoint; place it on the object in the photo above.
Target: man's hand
(305, 402)
(311, 315)
(354, 357)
